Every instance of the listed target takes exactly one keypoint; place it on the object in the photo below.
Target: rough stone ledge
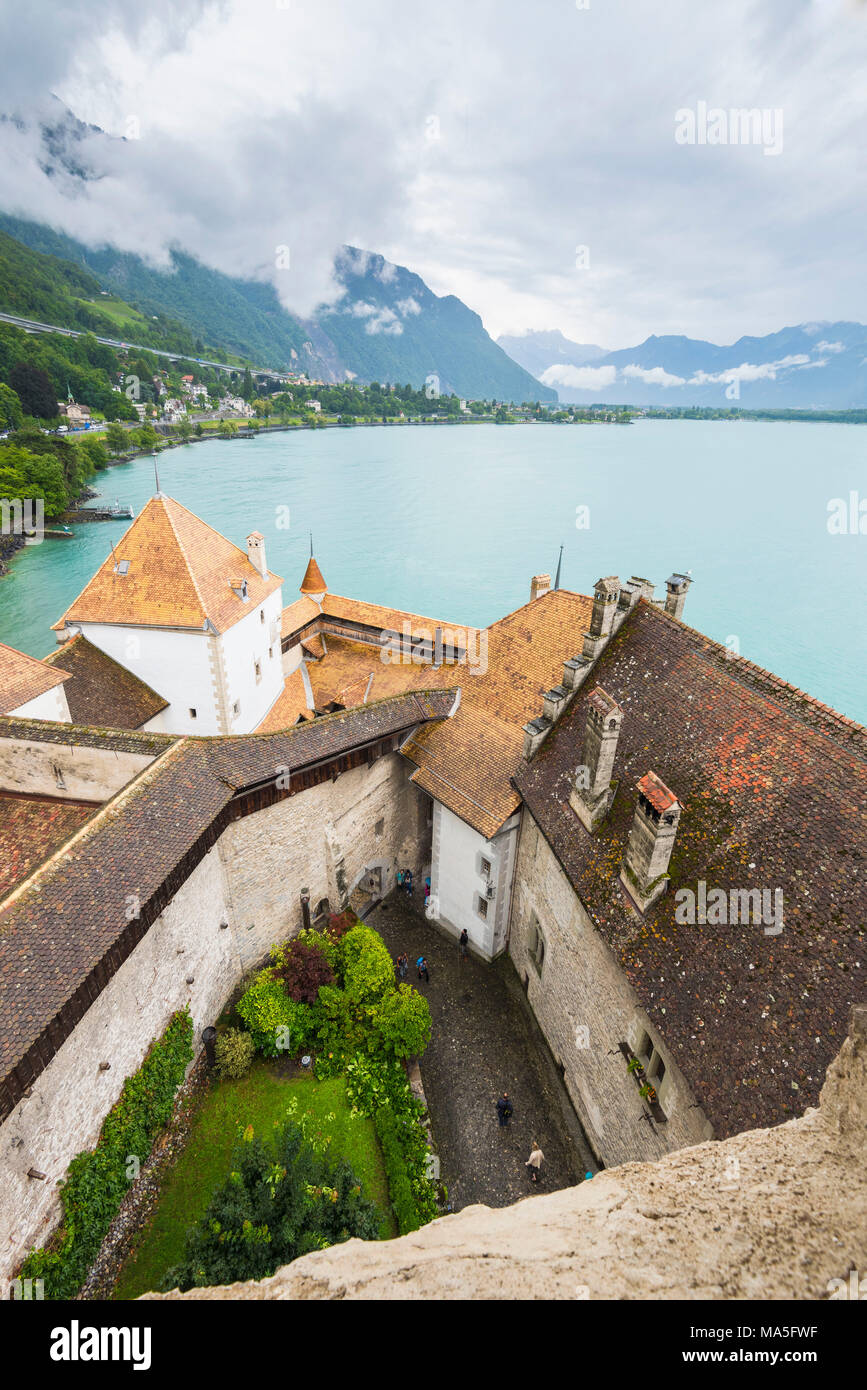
(767, 1214)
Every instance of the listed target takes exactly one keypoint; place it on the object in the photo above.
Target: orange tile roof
(23, 678)
(466, 764)
(179, 573)
(285, 711)
(298, 615)
(313, 583)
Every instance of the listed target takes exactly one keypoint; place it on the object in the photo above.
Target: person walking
(423, 972)
(399, 879)
(403, 965)
(407, 882)
(505, 1110)
(535, 1161)
(464, 944)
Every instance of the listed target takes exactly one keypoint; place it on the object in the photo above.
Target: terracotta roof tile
(774, 790)
(313, 582)
(179, 575)
(23, 678)
(101, 692)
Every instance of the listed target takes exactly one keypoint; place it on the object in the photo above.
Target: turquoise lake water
(452, 522)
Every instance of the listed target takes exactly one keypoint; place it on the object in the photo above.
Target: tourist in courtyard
(399, 879)
(465, 941)
(423, 972)
(505, 1110)
(407, 882)
(534, 1162)
(403, 965)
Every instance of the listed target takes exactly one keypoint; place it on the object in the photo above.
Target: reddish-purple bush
(302, 970)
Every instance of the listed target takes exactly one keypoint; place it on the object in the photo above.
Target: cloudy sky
(534, 159)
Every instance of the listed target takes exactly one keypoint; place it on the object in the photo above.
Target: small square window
(486, 868)
(257, 667)
(236, 708)
(482, 906)
(192, 714)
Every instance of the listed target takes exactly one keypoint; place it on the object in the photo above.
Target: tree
(34, 390)
(146, 437)
(277, 1203)
(247, 389)
(116, 438)
(228, 428)
(94, 451)
(11, 414)
(184, 430)
(28, 475)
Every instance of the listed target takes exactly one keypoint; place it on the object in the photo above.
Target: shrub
(276, 1023)
(280, 1201)
(403, 1022)
(368, 967)
(399, 1186)
(302, 969)
(97, 1181)
(235, 1051)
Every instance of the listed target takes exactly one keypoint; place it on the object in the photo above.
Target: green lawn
(258, 1099)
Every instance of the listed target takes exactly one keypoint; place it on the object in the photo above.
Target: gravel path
(485, 1041)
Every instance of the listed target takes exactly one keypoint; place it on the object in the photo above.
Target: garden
(306, 1134)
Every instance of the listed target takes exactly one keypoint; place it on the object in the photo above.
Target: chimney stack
(256, 552)
(676, 590)
(540, 584)
(606, 592)
(644, 587)
(593, 791)
(651, 840)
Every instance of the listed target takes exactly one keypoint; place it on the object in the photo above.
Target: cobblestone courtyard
(485, 1042)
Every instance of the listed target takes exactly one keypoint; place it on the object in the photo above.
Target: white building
(31, 690)
(189, 615)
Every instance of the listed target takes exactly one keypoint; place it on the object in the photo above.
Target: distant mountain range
(387, 326)
(809, 366)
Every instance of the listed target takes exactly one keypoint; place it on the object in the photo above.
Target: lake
(452, 522)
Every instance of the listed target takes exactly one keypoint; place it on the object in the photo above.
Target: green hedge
(399, 1186)
(98, 1180)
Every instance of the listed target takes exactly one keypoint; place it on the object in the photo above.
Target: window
(261, 615)
(257, 667)
(270, 653)
(482, 906)
(192, 714)
(486, 868)
(645, 1048)
(122, 567)
(657, 1070)
(537, 946)
(236, 708)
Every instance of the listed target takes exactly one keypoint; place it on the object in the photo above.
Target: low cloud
(654, 376)
(579, 378)
(752, 371)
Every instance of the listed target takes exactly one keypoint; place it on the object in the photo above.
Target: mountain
(396, 329)
(808, 366)
(387, 326)
(539, 350)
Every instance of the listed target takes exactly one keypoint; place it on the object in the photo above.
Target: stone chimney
(540, 584)
(629, 596)
(644, 587)
(256, 552)
(644, 871)
(553, 702)
(593, 790)
(534, 732)
(574, 672)
(676, 590)
(605, 595)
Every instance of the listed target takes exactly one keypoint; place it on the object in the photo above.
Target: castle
(589, 784)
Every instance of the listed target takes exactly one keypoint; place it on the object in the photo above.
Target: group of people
(404, 881)
(421, 966)
(505, 1111)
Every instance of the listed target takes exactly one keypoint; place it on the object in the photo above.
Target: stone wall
(322, 839)
(66, 1107)
(769, 1214)
(586, 1007)
(86, 773)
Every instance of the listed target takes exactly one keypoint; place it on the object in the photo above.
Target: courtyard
(484, 1042)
